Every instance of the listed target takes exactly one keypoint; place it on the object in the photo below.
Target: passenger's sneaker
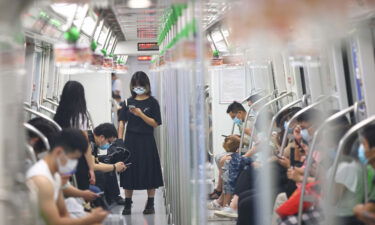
(214, 205)
(226, 212)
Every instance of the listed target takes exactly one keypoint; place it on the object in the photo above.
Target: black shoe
(127, 206)
(119, 200)
(149, 209)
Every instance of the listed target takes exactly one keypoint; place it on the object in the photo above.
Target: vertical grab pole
(281, 111)
(312, 149)
(263, 108)
(248, 115)
(322, 99)
(343, 142)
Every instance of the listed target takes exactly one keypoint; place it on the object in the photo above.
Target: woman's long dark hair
(72, 106)
(140, 78)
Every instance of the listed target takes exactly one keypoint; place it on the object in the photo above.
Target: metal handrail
(301, 100)
(50, 101)
(344, 140)
(26, 104)
(312, 149)
(253, 94)
(321, 100)
(31, 153)
(42, 137)
(248, 115)
(44, 117)
(91, 122)
(263, 108)
(42, 107)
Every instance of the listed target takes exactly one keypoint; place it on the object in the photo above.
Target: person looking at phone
(142, 116)
(104, 136)
(67, 147)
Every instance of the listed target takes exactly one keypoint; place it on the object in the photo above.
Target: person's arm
(121, 127)
(71, 191)
(118, 167)
(150, 121)
(90, 160)
(365, 213)
(55, 213)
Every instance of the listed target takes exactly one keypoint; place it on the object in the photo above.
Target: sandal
(214, 195)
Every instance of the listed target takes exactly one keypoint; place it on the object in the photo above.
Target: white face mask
(139, 90)
(69, 167)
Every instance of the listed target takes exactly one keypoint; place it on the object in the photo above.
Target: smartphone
(128, 164)
(100, 193)
(225, 136)
(131, 107)
(292, 157)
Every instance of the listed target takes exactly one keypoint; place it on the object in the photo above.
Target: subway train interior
(187, 112)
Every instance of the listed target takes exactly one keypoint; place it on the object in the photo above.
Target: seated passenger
(366, 212)
(49, 130)
(235, 110)
(349, 189)
(66, 148)
(104, 135)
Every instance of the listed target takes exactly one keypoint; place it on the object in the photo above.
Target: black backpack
(117, 153)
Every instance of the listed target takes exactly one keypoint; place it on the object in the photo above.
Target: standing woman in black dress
(142, 115)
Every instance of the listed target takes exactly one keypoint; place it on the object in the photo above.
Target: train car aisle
(137, 217)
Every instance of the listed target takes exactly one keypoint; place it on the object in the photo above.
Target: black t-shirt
(150, 107)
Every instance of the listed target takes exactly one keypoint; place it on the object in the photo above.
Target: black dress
(145, 170)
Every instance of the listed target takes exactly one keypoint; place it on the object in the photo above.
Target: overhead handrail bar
(253, 94)
(318, 102)
(50, 101)
(275, 100)
(47, 109)
(301, 100)
(44, 117)
(42, 137)
(26, 104)
(343, 142)
(309, 159)
(248, 115)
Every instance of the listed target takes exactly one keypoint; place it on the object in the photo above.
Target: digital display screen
(144, 58)
(148, 46)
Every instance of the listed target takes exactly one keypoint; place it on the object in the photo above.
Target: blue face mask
(237, 121)
(290, 130)
(305, 135)
(361, 155)
(139, 90)
(105, 146)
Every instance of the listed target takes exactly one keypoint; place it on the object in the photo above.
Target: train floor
(137, 217)
(159, 218)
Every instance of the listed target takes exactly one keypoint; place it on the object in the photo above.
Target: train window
(64, 9)
(219, 40)
(212, 44)
(88, 25)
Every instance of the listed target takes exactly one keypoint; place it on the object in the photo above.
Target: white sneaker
(213, 205)
(226, 212)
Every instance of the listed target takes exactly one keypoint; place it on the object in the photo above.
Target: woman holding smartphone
(142, 115)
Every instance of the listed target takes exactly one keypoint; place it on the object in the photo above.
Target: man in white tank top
(66, 148)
